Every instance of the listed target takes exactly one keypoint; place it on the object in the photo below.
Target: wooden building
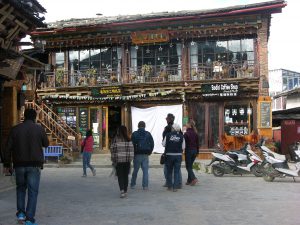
(17, 18)
(213, 62)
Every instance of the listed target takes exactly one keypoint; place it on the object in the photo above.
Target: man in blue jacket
(24, 150)
(143, 146)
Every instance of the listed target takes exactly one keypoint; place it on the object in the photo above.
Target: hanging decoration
(115, 98)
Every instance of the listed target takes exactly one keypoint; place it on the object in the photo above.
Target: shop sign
(289, 122)
(83, 120)
(220, 90)
(144, 37)
(113, 91)
(265, 114)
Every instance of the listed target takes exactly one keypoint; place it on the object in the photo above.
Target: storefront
(213, 63)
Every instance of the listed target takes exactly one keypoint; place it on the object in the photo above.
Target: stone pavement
(67, 198)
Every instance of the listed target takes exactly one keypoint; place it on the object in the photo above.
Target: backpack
(143, 145)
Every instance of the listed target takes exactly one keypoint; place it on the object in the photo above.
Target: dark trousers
(27, 179)
(190, 156)
(122, 173)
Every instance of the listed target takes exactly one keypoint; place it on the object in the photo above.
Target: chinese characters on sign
(107, 92)
(150, 37)
(265, 114)
(220, 90)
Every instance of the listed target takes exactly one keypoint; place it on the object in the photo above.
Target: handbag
(162, 159)
(82, 146)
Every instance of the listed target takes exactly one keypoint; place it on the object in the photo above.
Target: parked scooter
(276, 165)
(236, 162)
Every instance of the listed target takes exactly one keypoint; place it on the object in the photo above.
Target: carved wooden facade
(163, 59)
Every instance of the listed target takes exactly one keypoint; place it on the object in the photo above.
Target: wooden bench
(53, 151)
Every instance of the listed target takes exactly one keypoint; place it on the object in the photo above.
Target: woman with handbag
(87, 149)
(122, 153)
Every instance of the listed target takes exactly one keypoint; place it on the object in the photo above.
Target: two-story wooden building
(212, 62)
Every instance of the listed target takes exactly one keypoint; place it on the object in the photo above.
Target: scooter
(236, 162)
(276, 165)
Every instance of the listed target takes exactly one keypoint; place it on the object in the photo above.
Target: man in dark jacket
(24, 150)
(174, 144)
(170, 121)
(143, 146)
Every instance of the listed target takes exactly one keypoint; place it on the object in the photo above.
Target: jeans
(122, 170)
(165, 174)
(190, 157)
(86, 159)
(140, 161)
(173, 168)
(27, 178)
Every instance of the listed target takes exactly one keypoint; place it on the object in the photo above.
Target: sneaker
(84, 175)
(187, 183)
(194, 182)
(94, 172)
(122, 195)
(174, 190)
(21, 216)
(29, 223)
(145, 188)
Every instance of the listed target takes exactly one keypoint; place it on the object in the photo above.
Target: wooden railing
(56, 125)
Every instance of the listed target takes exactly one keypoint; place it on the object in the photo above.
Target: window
(60, 62)
(222, 59)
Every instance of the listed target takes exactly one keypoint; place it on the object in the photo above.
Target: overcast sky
(284, 34)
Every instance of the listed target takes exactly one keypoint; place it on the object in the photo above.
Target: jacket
(88, 143)
(25, 144)
(191, 140)
(142, 141)
(121, 151)
(174, 143)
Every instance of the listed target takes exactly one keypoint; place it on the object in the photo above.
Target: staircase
(56, 127)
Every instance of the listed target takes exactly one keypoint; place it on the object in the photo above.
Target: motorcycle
(236, 162)
(277, 165)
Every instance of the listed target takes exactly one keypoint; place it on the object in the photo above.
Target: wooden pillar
(262, 48)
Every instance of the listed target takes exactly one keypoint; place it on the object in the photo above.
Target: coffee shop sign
(220, 89)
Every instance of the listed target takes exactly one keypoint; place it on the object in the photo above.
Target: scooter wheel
(217, 171)
(269, 178)
(257, 171)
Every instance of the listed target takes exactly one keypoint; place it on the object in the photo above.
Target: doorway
(206, 117)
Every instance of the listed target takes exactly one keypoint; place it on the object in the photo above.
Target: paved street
(67, 198)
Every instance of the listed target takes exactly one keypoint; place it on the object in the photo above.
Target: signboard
(265, 114)
(220, 90)
(68, 114)
(154, 36)
(111, 91)
(83, 120)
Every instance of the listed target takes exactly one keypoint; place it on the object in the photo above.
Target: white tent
(155, 119)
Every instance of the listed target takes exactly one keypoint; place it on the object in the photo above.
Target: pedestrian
(191, 152)
(24, 149)
(174, 144)
(143, 144)
(170, 121)
(87, 149)
(122, 153)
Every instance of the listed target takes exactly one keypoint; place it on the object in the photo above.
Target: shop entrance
(111, 120)
(206, 117)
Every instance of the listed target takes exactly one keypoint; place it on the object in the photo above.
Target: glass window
(295, 81)
(247, 45)
(60, 60)
(84, 56)
(290, 85)
(74, 60)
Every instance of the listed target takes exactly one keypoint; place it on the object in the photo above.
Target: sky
(284, 41)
